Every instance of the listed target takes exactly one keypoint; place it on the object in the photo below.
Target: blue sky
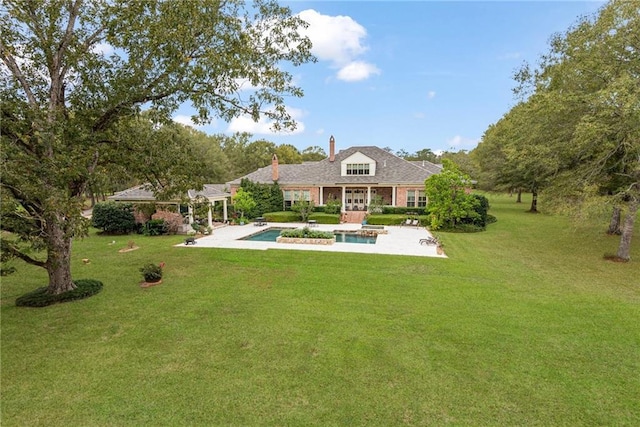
(411, 74)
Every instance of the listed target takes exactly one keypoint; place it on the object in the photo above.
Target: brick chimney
(332, 149)
(274, 167)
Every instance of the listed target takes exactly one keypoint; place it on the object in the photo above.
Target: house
(211, 193)
(353, 176)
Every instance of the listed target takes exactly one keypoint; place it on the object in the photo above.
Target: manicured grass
(524, 324)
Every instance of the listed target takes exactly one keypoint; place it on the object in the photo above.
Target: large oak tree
(76, 75)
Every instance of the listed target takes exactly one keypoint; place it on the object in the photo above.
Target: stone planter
(305, 241)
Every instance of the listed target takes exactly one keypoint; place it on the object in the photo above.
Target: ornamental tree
(448, 200)
(76, 75)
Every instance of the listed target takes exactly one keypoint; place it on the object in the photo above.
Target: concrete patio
(398, 240)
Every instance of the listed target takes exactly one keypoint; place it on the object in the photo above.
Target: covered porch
(211, 194)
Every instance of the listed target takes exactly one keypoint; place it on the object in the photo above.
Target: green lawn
(524, 324)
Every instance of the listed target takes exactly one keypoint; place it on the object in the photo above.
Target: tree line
(574, 136)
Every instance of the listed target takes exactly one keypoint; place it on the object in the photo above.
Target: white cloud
(264, 125)
(103, 48)
(458, 143)
(320, 131)
(188, 121)
(357, 71)
(431, 94)
(340, 41)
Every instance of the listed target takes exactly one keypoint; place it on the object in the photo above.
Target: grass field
(524, 324)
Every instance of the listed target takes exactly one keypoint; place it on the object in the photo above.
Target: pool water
(270, 235)
(342, 237)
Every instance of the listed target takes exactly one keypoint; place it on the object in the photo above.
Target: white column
(320, 199)
(225, 217)
(368, 197)
(190, 214)
(394, 189)
(344, 198)
(209, 215)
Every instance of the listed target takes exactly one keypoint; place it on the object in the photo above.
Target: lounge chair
(415, 222)
(406, 222)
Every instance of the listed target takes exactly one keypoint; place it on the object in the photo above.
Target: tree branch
(10, 62)
(15, 252)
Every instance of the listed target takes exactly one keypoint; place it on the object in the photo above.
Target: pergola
(211, 192)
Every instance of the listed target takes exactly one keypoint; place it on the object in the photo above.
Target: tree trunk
(614, 224)
(624, 249)
(519, 198)
(534, 201)
(58, 256)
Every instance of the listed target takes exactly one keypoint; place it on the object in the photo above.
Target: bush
(284, 216)
(151, 273)
(155, 227)
(41, 298)
(401, 210)
(268, 197)
(394, 219)
(325, 218)
(306, 233)
(491, 219)
(114, 218)
(332, 205)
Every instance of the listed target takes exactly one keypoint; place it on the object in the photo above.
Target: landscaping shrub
(41, 298)
(151, 272)
(283, 216)
(155, 227)
(306, 233)
(394, 219)
(401, 210)
(172, 220)
(325, 218)
(382, 219)
(268, 197)
(114, 218)
(332, 205)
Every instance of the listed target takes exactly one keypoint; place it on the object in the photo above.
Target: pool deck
(398, 240)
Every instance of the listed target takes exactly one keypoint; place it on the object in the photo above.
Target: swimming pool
(270, 235)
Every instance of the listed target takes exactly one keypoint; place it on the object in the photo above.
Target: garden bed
(306, 240)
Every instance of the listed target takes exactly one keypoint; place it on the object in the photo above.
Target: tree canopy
(78, 73)
(576, 133)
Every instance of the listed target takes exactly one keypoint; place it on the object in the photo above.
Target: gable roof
(390, 169)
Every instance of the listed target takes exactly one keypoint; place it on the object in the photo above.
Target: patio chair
(406, 222)
(415, 222)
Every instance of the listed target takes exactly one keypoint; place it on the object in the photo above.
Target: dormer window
(358, 169)
(358, 164)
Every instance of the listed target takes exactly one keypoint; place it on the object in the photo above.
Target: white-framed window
(291, 196)
(416, 199)
(358, 169)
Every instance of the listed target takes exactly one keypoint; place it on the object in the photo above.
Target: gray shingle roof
(390, 170)
(140, 193)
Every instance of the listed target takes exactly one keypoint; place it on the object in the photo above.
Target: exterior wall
(172, 219)
(401, 197)
(335, 191)
(314, 193)
(386, 194)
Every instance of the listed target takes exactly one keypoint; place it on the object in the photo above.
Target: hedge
(284, 216)
(324, 218)
(393, 219)
(41, 298)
